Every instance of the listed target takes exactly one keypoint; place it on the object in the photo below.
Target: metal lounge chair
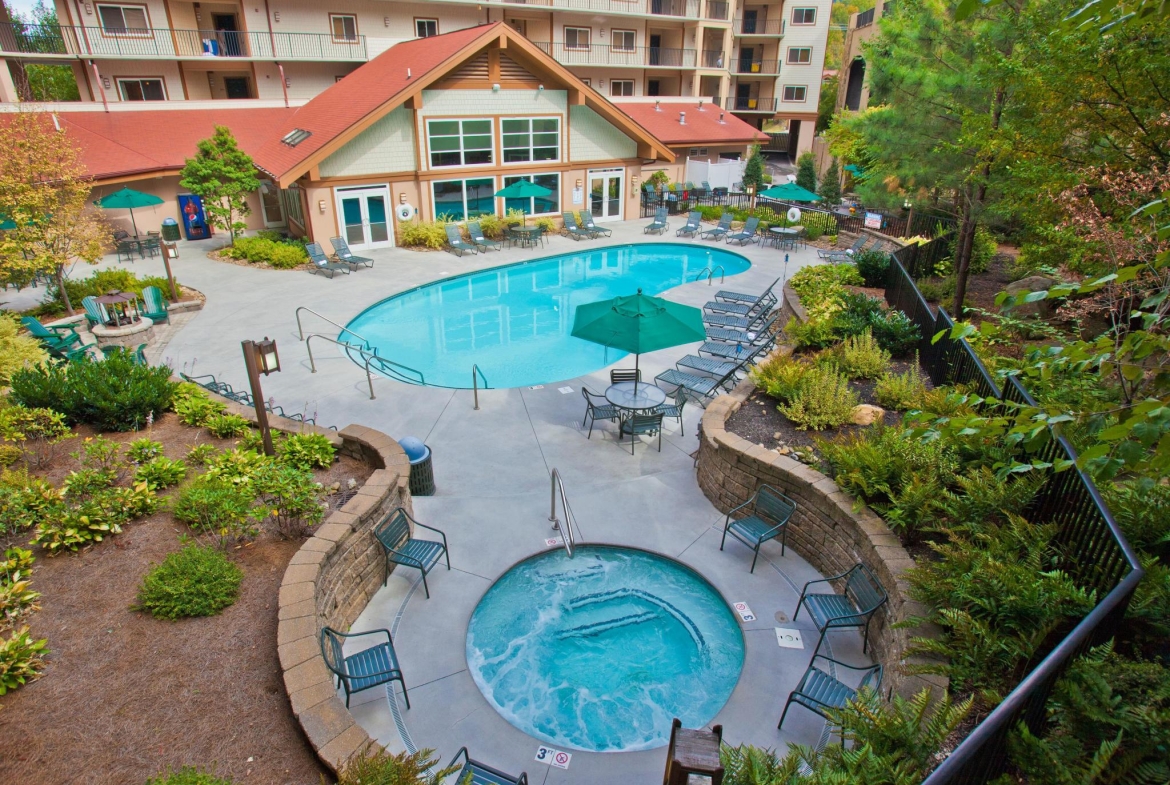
(476, 234)
(747, 234)
(95, 313)
(835, 254)
(745, 299)
(575, 231)
(748, 323)
(476, 773)
(728, 351)
(674, 409)
(706, 188)
(367, 668)
(722, 229)
(765, 334)
(589, 226)
(321, 263)
(762, 304)
(658, 225)
(51, 337)
(765, 517)
(703, 387)
(693, 224)
(154, 305)
(637, 424)
(720, 367)
(346, 256)
(820, 689)
(597, 408)
(863, 596)
(455, 241)
(401, 548)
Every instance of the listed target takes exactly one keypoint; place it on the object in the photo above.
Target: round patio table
(622, 395)
(528, 235)
(782, 234)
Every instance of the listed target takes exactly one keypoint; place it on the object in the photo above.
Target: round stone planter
(127, 335)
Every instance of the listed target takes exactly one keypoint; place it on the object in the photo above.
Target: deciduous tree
(223, 175)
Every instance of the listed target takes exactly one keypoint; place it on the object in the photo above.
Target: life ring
(794, 214)
(405, 212)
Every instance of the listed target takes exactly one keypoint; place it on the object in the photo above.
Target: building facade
(758, 60)
(852, 85)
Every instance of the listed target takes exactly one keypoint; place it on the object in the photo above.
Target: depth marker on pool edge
(743, 611)
(551, 757)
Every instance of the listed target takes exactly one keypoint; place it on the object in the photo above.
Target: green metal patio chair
(722, 229)
(639, 424)
(692, 226)
(476, 233)
(367, 668)
(321, 263)
(766, 516)
(588, 225)
(346, 256)
(597, 408)
(575, 231)
(658, 225)
(475, 773)
(861, 600)
(619, 375)
(675, 409)
(154, 305)
(819, 689)
(394, 535)
(95, 313)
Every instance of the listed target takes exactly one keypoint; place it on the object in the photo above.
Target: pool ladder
(476, 375)
(711, 274)
(370, 360)
(567, 536)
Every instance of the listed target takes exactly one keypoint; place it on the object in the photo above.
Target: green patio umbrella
(790, 192)
(128, 199)
(523, 189)
(638, 323)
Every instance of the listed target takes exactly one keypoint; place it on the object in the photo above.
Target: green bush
(823, 399)
(291, 498)
(226, 426)
(25, 500)
(161, 472)
(21, 659)
(275, 253)
(375, 765)
(860, 357)
(218, 508)
(895, 333)
(104, 455)
(547, 224)
(188, 775)
(105, 281)
(780, 376)
(902, 391)
(16, 598)
(113, 395)
(185, 391)
(237, 466)
(16, 350)
(873, 266)
(35, 431)
(983, 249)
(143, 450)
(9, 454)
(821, 223)
(91, 521)
(424, 234)
(200, 454)
(195, 412)
(85, 483)
(307, 451)
(813, 334)
(194, 581)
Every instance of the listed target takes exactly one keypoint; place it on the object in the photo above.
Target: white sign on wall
(873, 220)
(578, 196)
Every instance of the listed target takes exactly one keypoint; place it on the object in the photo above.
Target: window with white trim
(460, 200)
(529, 139)
(804, 16)
(124, 20)
(800, 55)
(621, 87)
(425, 28)
(794, 92)
(622, 40)
(537, 205)
(344, 27)
(698, 151)
(576, 37)
(142, 90)
(460, 142)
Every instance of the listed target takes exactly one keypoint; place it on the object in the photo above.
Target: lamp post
(166, 256)
(261, 357)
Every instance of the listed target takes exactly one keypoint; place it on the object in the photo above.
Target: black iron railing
(865, 18)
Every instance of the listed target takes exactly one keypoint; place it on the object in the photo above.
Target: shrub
(83, 484)
(21, 659)
(823, 281)
(102, 455)
(143, 450)
(161, 472)
(103, 281)
(901, 391)
(25, 500)
(139, 500)
(873, 267)
(860, 357)
(252, 440)
(895, 333)
(16, 350)
(200, 454)
(874, 464)
(225, 426)
(375, 765)
(821, 223)
(307, 451)
(984, 497)
(237, 466)
(424, 234)
(16, 598)
(73, 528)
(189, 775)
(194, 581)
(34, 431)
(290, 497)
(813, 334)
(547, 224)
(983, 249)
(217, 508)
(9, 454)
(263, 250)
(779, 377)
(195, 412)
(823, 399)
(185, 391)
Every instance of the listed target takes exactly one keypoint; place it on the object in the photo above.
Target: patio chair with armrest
(638, 424)
(863, 596)
(745, 299)
(401, 548)
(154, 305)
(346, 256)
(820, 689)
(476, 233)
(367, 668)
(597, 407)
(619, 375)
(704, 388)
(674, 408)
(126, 250)
(95, 312)
(321, 263)
(693, 224)
(151, 245)
(575, 231)
(51, 337)
(455, 241)
(658, 225)
(766, 516)
(747, 234)
(475, 773)
(588, 225)
(723, 228)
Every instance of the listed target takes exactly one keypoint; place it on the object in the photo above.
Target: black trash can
(422, 473)
(170, 230)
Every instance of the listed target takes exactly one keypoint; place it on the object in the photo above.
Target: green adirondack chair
(51, 337)
(94, 312)
(155, 305)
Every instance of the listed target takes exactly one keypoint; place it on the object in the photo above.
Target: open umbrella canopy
(128, 198)
(638, 323)
(790, 192)
(523, 189)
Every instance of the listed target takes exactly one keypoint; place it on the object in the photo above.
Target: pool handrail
(475, 371)
(344, 329)
(388, 367)
(711, 274)
(567, 536)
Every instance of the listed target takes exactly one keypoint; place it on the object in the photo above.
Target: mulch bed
(125, 695)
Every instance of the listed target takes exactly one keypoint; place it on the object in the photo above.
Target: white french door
(606, 194)
(363, 215)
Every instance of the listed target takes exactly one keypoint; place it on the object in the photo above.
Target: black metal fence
(1093, 550)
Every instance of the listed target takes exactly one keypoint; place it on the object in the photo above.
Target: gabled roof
(702, 127)
(381, 85)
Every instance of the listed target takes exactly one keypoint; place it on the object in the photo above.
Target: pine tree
(753, 171)
(222, 175)
(806, 172)
(831, 185)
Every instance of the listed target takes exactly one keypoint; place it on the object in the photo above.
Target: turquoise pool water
(514, 321)
(599, 651)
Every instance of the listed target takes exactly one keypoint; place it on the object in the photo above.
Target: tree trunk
(61, 288)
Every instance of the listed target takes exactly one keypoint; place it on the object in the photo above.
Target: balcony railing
(865, 18)
(165, 43)
(638, 56)
(716, 9)
(679, 8)
(712, 58)
(758, 26)
(760, 67)
(736, 104)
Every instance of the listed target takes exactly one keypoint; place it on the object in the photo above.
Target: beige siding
(386, 146)
(593, 138)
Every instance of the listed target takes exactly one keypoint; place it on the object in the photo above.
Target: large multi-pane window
(799, 55)
(795, 92)
(576, 37)
(124, 19)
(460, 142)
(536, 205)
(142, 90)
(344, 27)
(460, 200)
(804, 16)
(528, 139)
(621, 87)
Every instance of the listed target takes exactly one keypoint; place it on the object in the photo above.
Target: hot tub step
(598, 627)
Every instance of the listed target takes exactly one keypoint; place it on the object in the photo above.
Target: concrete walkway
(492, 471)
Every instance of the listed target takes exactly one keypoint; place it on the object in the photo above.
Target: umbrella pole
(132, 222)
(636, 374)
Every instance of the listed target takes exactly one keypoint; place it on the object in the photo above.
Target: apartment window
(460, 200)
(587, 82)
(425, 28)
(142, 90)
(621, 87)
(804, 16)
(622, 40)
(576, 37)
(290, 199)
(799, 55)
(795, 92)
(124, 19)
(344, 27)
(460, 142)
(698, 151)
(542, 205)
(530, 139)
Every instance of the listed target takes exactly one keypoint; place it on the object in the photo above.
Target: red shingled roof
(701, 127)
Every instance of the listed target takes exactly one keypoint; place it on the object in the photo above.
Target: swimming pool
(601, 650)
(514, 321)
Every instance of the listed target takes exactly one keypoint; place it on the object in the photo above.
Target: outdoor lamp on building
(261, 357)
(906, 205)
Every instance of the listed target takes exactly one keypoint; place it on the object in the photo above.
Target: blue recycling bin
(422, 473)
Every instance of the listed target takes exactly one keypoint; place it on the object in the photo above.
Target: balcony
(603, 55)
(766, 28)
(66, 42)
(762, 105)
(757, 67)
(683, 9)
(712, 58)
(715, 9)
(865, 18)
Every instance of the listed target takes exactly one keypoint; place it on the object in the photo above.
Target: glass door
(605, 194)
(363, 216)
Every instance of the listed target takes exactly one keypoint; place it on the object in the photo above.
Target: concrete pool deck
(492, 472)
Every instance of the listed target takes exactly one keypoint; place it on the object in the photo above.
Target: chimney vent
(721, 119)
(700, 104)
(657, 106)
(682, 118)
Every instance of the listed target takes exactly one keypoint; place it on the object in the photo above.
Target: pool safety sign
(551, 757)
(744, 612)
(552, 542)
(789, 639)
